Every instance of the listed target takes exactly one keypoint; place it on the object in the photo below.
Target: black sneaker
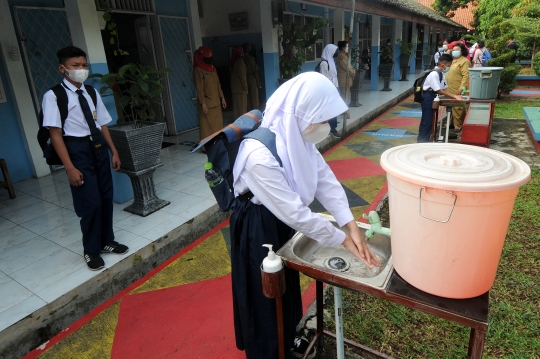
(299, 348)
(115, 248)
(94, 261)
(335, 134)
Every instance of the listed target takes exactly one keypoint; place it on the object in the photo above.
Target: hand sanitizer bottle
(272, 263)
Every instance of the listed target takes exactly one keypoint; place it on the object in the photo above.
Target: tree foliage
(448, 7)
(489, 10)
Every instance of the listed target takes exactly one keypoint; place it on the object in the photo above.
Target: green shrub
(508, 75)
(536, 64)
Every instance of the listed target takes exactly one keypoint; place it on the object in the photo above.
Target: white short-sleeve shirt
(432, 82)
(75, 124)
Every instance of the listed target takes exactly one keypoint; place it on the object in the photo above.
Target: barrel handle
(484, 75)
(433, 219)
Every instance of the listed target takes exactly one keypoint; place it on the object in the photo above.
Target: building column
(85, 33)
(375, 48)
(398, 35)
(270, 47)
(339, 25)
(414, 40)
(425, 44)
(194, 19)
(21, 92)
(356, 30)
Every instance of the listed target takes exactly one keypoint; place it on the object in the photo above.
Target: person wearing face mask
(275, 200)
(83, 143)
(440, 50)
(458, 80)
(328, 69)
(366, 60)
(434, 84)
(239, 85)
(252, 77)
(210, 100)
(387, 54)
(342, 64)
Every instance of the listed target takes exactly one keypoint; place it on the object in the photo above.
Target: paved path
(182, 308)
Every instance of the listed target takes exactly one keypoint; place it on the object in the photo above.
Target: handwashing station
(450, 207)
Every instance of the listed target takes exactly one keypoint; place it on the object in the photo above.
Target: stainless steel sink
(337, 261)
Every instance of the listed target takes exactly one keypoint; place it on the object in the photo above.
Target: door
(177, 55)
(42, 32)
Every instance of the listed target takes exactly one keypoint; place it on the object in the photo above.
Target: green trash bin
(484, 82)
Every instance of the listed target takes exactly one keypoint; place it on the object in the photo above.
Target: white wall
(215, 20)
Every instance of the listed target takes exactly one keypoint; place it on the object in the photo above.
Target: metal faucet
(376, 226)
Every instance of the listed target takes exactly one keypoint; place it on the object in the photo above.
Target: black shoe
(115, 248)
(94, 261)
(335, 134)
(299, 347)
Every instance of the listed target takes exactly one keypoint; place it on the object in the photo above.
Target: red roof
(463, 16)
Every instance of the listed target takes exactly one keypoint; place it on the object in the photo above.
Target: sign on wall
(2, 92)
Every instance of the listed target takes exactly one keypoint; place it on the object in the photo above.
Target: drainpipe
(351, 31)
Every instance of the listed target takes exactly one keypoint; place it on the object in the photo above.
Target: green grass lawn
(514, 317)
(513, 108)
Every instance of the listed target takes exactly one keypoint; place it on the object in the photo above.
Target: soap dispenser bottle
(272, 263)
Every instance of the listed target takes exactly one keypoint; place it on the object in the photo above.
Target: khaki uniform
(209, 93)
(239, 88)
(456, 78)
(252, 82)
(342, 63)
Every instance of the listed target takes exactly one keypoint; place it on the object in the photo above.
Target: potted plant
(386, 66)
(295, 40)
(135, 88)
(361, 68)
(405, 49)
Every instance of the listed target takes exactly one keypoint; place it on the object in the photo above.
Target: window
(314, 53)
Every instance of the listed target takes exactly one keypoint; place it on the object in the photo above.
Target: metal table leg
(448, 113)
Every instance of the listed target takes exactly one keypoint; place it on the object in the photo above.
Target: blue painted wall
(12, 147)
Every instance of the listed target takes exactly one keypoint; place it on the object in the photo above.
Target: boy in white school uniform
(83, 144)
(433, 85)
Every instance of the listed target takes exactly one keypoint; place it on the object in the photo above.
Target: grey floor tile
(65, 234)
(21, 255)
(181, 202)
(178, 183)
(51, 220)
(164, 228)
(71, 281)
(201, 189)
(164, 193)
(12, 293)
(181, 166)
(198, 208)
(20, 310)
(14, 236)
(6, 224)
(22, 200)
(48, 270)
(137, 225)
(30, 212)
(162, 175)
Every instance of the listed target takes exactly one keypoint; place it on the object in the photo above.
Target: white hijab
(305, 99)
(328, 55)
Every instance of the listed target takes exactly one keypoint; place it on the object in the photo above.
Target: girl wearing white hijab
(328, 69)
(297, 113)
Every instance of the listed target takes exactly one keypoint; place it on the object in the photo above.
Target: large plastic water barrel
(450, 207)
(484, 82)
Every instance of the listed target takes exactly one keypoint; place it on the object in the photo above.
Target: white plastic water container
(484, 82)
(450, 207)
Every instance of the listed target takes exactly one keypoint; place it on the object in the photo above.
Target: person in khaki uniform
(239, 85)
(210, 98)
(342, 64)
(457, 79)
(252, 76)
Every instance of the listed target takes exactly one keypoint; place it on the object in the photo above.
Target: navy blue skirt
(255, 320)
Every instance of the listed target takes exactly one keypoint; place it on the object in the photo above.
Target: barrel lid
(455, 167)
(486, 68)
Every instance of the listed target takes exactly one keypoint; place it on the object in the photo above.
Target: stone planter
(428, 61)
(404, 65)
(139, 150)
(386, 71)
(356, 86)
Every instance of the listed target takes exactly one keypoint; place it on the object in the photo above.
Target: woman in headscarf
(458, 82)
(328, 69)
(209, 95)
(342, 63)
(252, 76)
(239, 85)
(297, 114)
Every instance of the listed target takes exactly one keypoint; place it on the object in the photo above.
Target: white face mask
(456, 54)
(77, 75)
(316, 132)
(347, 49)
(445, 47)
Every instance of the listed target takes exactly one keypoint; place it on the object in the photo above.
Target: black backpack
(318, 67)
(222, 148)
(418, 87)
(44, 136)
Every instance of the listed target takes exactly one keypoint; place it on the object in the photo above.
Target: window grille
(139, 6)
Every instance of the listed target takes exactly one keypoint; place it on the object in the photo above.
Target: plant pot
(404, 60)
(356, 86)
(428, 61)
(386, 71)
(138, 148)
